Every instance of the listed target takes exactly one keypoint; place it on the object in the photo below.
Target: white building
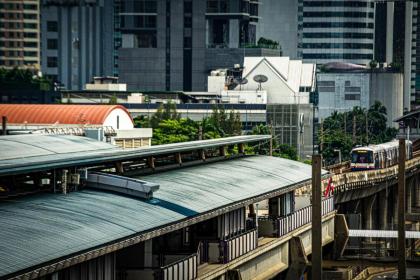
(286, 95)
(341, 91)
(288, 81)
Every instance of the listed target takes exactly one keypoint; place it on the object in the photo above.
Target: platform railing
(239, 245)
(301, 217)
(183, 269)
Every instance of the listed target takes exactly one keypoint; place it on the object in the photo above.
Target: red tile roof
(57, 113)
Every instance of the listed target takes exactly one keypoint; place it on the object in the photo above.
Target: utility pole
(316, 218)
(4, 125)
(354, 129)
(200, 132)
(402, 265)
(345, 123)
(271, 141)
(321, 138)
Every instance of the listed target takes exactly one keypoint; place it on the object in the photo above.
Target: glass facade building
(340, 30)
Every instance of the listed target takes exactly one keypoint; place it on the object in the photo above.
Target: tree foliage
(343, 131)
(23, 79)
(169, 127)
(279, 150)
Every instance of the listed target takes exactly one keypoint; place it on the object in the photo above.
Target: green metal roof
(30, 153)
(45, 228)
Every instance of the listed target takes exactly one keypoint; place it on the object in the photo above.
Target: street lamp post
(339, 154)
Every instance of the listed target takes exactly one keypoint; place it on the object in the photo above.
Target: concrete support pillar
(407, 53)
(148, 253)
(383, 209)
(367, 212)
(341, 235)
(389, 32)
(298, 259)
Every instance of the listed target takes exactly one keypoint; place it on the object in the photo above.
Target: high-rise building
(397, 44)
(173, 44)
(78, 41)
(19, 33)
(279, 22)
(336, 31)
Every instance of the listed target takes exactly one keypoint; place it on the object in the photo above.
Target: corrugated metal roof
(28, 153)
(382, 233)
(49, 227)
(57, 113)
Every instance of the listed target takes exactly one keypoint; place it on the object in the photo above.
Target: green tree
(23, 79)
(370, 128)
(113, 100)
(173, 131)
(279, 150)
(165, 111)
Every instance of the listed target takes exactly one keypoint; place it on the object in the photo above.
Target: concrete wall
(388, 89)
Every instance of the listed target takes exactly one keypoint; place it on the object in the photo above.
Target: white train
(378, 156)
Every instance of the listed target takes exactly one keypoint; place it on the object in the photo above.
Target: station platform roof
(40, 232)
(35, 152)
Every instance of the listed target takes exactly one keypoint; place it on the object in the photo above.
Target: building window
(30, 16)
(352, 97)
(217, 6)
(30, 25)
(52, 44)
(52, 26)
(30, 53)
(145, 21)
(30, 35)
(187, 7)
(326, 83)
(142, 6)
(30, 6)
(146, 39)
(30, 44)
(352, 89)
(52, 61)
(187, 22)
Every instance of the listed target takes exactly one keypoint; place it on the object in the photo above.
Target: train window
(362, 157)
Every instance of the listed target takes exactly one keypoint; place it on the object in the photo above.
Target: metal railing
(237, 246)
(301, 217)
(184, 269)
(364, 178)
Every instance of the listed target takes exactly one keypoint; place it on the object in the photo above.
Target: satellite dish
(260, 79)
(240, 82)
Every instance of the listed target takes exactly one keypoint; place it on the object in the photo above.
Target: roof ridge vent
(121, 184)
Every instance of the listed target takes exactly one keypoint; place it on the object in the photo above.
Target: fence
(301, 217)
(185, 269)
(239, 245)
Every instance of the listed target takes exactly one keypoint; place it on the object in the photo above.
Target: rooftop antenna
(260, 79)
